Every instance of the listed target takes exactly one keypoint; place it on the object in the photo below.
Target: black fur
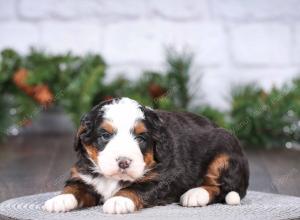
(184, 145)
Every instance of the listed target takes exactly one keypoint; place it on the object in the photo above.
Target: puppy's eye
(105, 136)
(141, 138)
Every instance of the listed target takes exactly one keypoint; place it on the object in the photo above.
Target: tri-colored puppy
(132, 157)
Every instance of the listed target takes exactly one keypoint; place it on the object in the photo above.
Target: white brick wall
(7, 9)
(136, 42)
(76, 37)
(235, 41)
(180, 9)
(296, 45)
(19, 35)
(256, 10)
(261, 44)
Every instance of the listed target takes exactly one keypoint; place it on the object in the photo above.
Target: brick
(261, 44)
(7, 9)
(78, 9)
(19, 36)
(71, 36)
(180, 9)
(58, 9)
(136, 42)
(256, 9)
(129, 8)
(34, 9)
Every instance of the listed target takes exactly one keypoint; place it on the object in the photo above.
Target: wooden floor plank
(32, 165)
(260, 178)
(284, 167)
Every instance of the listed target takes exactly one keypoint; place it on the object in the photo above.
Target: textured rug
(256, 206)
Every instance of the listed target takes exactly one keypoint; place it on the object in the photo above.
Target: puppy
(132, 157)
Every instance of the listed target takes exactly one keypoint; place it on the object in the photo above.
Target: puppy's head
(117, 137)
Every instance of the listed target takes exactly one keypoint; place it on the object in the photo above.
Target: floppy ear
(82, 132)
(156, 126)
(86, 127)
(152, 119)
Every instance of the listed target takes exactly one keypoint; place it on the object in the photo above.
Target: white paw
(61, 203)
(195, 197)
(118, 205)
(232, 198)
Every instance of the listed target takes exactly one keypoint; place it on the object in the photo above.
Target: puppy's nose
(124, 162)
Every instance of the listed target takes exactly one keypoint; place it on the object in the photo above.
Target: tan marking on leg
(137, 200)
(84, 198)
(213, 191)
(211, 179)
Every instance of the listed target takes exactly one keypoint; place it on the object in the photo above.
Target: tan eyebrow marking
(107, 126)
(139, 127)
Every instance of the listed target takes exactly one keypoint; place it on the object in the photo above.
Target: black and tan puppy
(132, 157)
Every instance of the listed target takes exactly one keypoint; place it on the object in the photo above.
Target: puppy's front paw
(61, 203)
(195, 197)
(118, 205)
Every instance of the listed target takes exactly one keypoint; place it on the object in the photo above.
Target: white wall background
(235, 41)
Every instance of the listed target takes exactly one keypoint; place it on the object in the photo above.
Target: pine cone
(19, 79)
(40, 93)
(156, 91)
(43, 95)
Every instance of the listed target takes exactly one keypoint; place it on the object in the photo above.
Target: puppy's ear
(152, 119)
(83, 130)
(156, 126)
(87, 123)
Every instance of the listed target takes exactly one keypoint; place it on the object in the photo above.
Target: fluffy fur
(132, 157)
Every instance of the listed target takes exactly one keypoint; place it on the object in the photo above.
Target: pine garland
(32, 83)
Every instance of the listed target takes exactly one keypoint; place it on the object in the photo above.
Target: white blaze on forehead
(123, 113)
